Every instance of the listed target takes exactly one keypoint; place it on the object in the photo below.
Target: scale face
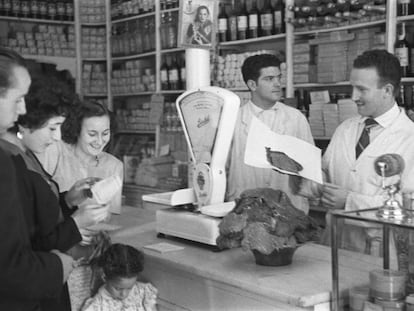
(208, 116)
(200, 115)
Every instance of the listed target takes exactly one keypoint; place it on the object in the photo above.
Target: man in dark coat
(27, 276)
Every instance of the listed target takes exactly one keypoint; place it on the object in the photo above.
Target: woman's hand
(80, 191)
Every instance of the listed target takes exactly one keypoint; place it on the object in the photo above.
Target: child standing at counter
(121, 265)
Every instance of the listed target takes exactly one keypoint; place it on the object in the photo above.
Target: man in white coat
(261, 73)
(351, 180)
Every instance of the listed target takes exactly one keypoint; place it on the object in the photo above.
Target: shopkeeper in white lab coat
(351, 180)
(262, 75)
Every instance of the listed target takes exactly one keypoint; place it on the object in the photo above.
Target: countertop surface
(306, 282)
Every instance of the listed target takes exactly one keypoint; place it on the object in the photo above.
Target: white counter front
(196, 278)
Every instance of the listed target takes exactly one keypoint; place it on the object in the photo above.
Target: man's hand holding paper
(290, 153)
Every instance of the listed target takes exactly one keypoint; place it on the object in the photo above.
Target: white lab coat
(285, 120)
(359, 176)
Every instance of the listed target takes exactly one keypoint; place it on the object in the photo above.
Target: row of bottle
(244, 23)
(134, 37)
(169, 30)
(47, 9)
(171, 121)
(403, 50)
(126, 8)
(336, 13)
(406, 96)
(172, 72)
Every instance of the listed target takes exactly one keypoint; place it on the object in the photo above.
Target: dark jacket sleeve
(26, 275)
(50, 233)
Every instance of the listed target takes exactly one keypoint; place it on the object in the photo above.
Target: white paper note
(261, 136)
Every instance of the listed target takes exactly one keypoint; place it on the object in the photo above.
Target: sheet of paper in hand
(288, 150)
(104, 190)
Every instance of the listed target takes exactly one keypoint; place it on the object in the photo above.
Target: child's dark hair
(121, 260)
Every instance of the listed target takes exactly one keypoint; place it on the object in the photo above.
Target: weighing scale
(208, 116)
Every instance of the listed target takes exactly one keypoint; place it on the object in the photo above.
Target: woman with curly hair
(85, 134)
(199, 32)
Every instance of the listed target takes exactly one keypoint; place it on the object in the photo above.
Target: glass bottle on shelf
(402, 51)
(164, 74)
(60, 10)
(174, 74)
(253, 19)
(222, 23)
(132, 38)
(34, 8)
(242, 22)
(279, 17)
(163, 30)
(266, 19)
(15, 8)
(43, 9)
(172, 30)
(138, 37)
(151, 28)
(114, 41)
(182, 72)
(7, 7)
(146, 36)
(25, 8)
(51, 10)
(403, 7)
(69, 10)
(232, 24)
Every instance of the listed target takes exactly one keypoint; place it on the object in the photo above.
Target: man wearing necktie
(381, 127)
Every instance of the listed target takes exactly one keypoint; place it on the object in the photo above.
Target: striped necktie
(363, 141)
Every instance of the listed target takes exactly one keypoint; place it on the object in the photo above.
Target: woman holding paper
(81, 154)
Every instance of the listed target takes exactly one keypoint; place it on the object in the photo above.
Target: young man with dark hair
(262, 75)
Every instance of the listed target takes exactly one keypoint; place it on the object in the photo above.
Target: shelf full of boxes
(93, 46)
(43, 31)
(143, 102)
(325, 47)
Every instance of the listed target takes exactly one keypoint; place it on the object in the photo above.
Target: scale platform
(188, 225)
(173, 220)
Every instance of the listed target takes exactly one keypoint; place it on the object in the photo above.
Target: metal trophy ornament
(390, 165)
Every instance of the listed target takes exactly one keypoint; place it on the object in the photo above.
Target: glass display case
(372, 218)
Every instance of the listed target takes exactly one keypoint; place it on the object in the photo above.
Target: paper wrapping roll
(197, 64)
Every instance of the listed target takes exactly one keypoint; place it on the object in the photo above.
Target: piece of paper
(104, 190)
(261, 136)
(104, 227)
(163, 247)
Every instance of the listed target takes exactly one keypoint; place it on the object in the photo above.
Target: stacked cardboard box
(302, 60)
(331, 59)
(94, 78)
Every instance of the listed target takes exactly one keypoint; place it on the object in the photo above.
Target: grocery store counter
(196, 278)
